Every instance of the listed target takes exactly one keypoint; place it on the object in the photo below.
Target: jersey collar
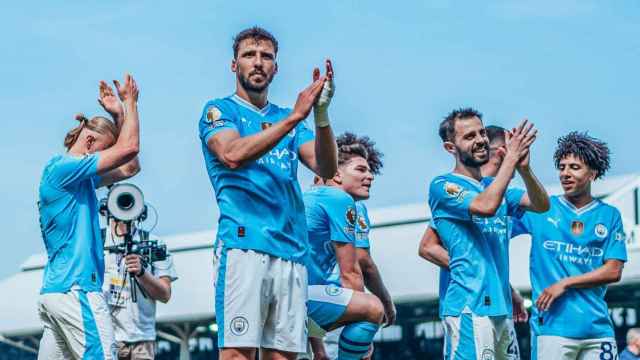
(471, 180)
(590, 206)
(242, 102)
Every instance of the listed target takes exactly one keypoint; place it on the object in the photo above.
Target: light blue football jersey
(363, 225)
(331, 217)
(566, 241)
(478, 280)
(260, 203)
(69, 223)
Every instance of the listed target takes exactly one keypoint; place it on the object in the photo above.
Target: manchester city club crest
(577, 227)
(333, 290)
(488, 354)
(239, 326)
(601, 231)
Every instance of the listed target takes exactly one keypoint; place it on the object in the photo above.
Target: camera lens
(125, 201)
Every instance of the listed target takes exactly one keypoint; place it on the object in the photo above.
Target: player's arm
(128, 143)
(114, 107)
(373, 282)
(157, 288)
(350, 273)
(609, 272)
(520, 314)
(235, 151)
(536, 199)
(487, 202)
(431, 249)
(321, 155)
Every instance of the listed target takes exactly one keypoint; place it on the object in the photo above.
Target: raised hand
(109, 101)
(129, 91)
(328, 88)
(519, 140)
(307, 98)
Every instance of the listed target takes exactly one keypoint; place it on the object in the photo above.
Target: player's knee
(375, 310)
(237, 354)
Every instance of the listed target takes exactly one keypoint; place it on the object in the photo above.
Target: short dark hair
(447, 126)
(593, 152)
(350, 146)
(257, 33)
(495, 133)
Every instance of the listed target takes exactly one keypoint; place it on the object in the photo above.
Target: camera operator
(135, 322)
(71, 305)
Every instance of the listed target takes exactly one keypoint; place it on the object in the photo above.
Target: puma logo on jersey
(553, 221)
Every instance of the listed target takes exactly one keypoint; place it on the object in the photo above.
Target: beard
(252, 87)
(469, 160)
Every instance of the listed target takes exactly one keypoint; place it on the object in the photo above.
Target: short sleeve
(216, 117)
(165, 268)
(513, 197)
(341, 211)
(71, 169)
(615, 246)
(450, 200)
(303, 135)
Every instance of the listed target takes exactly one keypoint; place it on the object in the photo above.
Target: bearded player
(251, 149)
(470, 213)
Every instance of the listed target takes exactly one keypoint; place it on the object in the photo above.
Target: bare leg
(238, 354)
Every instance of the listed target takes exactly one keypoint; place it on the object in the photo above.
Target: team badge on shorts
(239, 326)
(577, 227)
(488, 354)
(601, 231)
(333, 290)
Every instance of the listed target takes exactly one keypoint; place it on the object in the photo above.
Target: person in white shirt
(135, 322)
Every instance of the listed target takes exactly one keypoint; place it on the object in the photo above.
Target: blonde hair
(99, 124)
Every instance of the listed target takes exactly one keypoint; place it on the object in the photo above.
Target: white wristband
(321, 118)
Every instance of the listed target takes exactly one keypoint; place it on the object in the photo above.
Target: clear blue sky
(569, 65)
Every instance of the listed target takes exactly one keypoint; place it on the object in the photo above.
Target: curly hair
(593, 152)
(350, 146)
(447, 126)
(256, 33)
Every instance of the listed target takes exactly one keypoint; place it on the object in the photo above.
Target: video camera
(125, 204)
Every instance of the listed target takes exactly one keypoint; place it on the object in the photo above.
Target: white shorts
(260, 301)
(77, 325)
(327, 304)
(562, 348)
(473, 337)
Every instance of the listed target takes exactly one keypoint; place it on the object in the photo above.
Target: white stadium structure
(186, 325)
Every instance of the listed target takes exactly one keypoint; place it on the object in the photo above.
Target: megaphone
(125, 202)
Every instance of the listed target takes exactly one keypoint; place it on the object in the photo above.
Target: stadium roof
(398, 230)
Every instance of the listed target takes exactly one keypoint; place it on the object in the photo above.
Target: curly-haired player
(577, 248)
(340, 257)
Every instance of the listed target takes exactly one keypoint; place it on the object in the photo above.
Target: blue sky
(570, 65)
